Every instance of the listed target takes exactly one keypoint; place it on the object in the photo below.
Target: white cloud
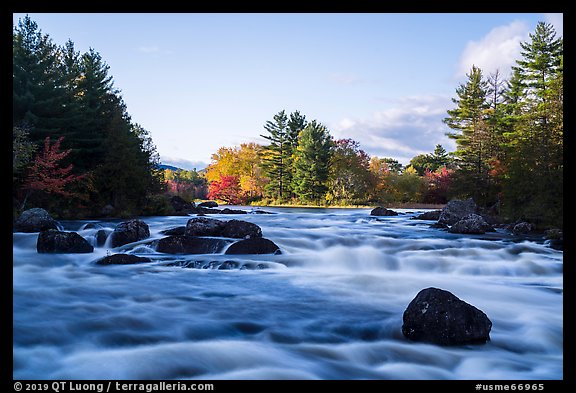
(183, 163)
(499, 49)
(556, 20)
(412, 126)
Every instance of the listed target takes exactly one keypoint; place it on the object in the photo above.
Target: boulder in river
(439, 317)
(238, 229)
(209, 204)
(184, 244)
(232, 211)
(129, 232)
(181, 206)
(54, 241)
(258, 245)
(472, 224)
(35, 220)
(101, 236)
(122, 259)
(522, 228)
(455, 210)
(382, 211)
(203, 226)
(430, 215)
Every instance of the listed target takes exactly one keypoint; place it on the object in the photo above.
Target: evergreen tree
(534, 177)
(276, 156)
(311, 163)
(474, 139)
(39, 96)
(296, 123)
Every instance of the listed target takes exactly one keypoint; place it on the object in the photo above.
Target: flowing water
(329, 307)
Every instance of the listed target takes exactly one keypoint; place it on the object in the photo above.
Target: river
(329, 307)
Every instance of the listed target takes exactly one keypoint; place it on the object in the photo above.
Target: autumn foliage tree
(226, 189)
(48, 175)
(438, 183)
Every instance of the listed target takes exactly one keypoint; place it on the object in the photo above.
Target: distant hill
(171, 167)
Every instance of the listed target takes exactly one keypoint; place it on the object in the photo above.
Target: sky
(201, 81)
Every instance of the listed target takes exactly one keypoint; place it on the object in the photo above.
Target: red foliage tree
(438, 185)
(226, 189)
(46, 173)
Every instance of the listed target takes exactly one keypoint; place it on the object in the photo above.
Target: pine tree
(296, 123)
(39, 96)
(311, 163)
(534, 138)
(474, 140)
(276, 156)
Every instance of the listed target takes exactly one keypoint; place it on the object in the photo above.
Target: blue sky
(201, 81)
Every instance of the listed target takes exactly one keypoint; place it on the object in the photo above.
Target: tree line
(77, 150)
(508, 157)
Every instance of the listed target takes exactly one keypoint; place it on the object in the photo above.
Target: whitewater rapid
(329, 307)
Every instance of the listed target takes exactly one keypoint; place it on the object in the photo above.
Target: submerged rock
(122, 259)
(54, 241)
(382, 211)
(35, 220)
(129, 232)
(257, 245)
(439, 317)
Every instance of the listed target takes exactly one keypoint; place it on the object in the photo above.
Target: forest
(77, 151)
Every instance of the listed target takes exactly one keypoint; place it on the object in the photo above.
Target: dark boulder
(35, 220)
(471, 224)
(122, 259)
(382, 211)
(208, 204)
(174, 231)
(184, 244)
(258, 245)
(522, 228)
(437, 316)
(456, 210)
(181, 206)
(101, 237)
(129, 232)
(554, 238)
(203, 226)
(240, 230)
(431, 215)
(54, 241)
(232, 211)
(207, 210)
